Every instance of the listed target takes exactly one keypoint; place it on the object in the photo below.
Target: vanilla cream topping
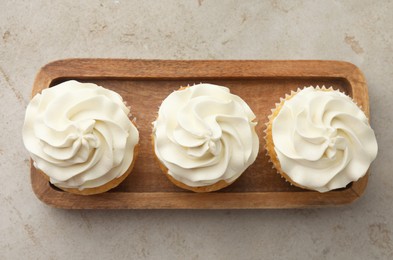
(323, 140)
(79, 134)
(204, 134)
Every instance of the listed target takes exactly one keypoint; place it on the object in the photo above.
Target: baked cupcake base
(321, 141)
(195, 150)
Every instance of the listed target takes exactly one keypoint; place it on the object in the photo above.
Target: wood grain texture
(145, 83)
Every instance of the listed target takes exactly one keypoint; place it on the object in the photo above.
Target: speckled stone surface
(33, 33)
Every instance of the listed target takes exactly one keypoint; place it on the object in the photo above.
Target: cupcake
(80, 137)
(204, 137)
(319, 139)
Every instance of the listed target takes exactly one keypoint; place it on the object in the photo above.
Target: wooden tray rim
(178, 69)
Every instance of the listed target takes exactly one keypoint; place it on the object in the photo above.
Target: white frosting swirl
(323, 140)
(79, 134)
(204, 134)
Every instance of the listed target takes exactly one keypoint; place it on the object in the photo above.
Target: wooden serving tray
(145, 83)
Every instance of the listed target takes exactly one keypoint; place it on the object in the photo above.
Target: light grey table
(33, 33)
